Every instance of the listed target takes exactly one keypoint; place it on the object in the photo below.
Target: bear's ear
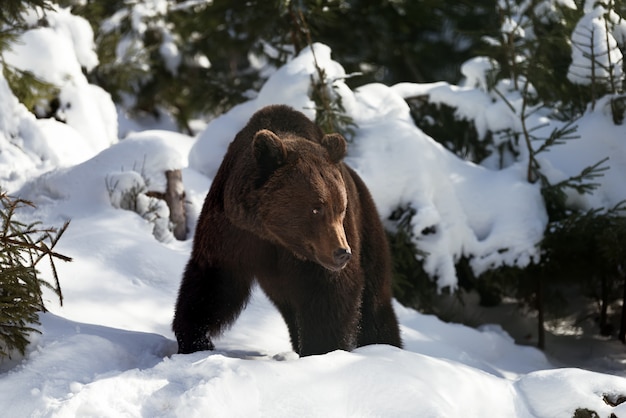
(336, 146)
(269, 150)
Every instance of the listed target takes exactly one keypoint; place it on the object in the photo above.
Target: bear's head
(302, 195)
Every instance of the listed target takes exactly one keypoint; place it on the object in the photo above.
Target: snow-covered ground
(109, 351)
(445, 370)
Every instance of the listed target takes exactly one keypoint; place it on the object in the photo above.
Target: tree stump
(175, 199)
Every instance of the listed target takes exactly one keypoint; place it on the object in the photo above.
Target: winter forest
(491, 134)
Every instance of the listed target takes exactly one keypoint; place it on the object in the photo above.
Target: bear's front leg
(209, 300)
(290, 318)
(329, 321)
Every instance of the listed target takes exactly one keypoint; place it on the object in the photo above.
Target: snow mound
(87, 186)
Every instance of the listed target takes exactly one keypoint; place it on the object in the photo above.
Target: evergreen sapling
(22, 247)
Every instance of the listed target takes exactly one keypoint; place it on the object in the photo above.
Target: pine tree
(572, 237)
(22, 247)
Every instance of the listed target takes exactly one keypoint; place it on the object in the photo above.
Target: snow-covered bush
(53, 47)
(565, 135)
(130, 190)
(597, 43)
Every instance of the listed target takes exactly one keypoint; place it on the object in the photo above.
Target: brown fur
(285, 210)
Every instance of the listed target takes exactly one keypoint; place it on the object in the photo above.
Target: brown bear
(285, 210)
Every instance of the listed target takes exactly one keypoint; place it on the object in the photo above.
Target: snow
(249, 374)
(109, 350)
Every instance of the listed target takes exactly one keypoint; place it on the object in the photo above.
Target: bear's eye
(317, 211)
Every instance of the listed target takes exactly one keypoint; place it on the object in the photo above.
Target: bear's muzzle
(342, 256)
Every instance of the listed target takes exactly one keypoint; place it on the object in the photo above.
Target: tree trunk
(604, 305)
(541, 331)
(622, 327)
(175, 199)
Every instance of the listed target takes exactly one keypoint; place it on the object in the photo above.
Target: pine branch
(11, 12)
(559, 136)
(31, 90)
(331, 115)
(581, 182)
(41, 249)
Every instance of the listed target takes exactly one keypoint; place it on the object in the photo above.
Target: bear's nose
(342, 256)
